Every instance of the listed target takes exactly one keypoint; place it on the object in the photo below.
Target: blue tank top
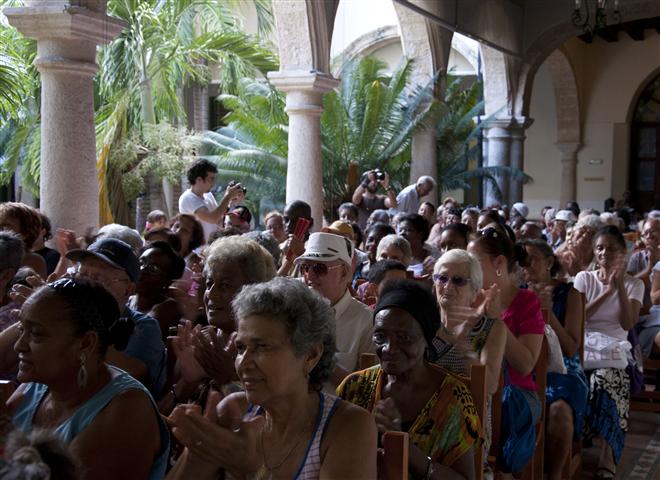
(310, 467)
(85, 414)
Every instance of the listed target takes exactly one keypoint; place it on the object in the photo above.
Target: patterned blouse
(445, 429)
(450, 358)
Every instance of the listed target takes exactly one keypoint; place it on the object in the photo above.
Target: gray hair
(307, 316)
(255, 261)
(591, 221)
(396, 241)
(426, 180)
(462, 257)
(266, 240)
(12, 250)
(121, 232)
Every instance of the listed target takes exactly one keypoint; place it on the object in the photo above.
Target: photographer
(367, 200)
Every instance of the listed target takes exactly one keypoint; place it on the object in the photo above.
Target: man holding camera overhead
(367, 200)
(199, 201)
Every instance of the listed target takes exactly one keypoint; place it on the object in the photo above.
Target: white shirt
(354, 330)
(190, 202)
(407, 200)
(606, 318)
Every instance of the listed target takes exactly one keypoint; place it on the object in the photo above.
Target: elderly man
(408, 199)
(326, 268)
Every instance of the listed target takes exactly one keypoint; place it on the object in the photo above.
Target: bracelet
(174, 396)
(429, 470)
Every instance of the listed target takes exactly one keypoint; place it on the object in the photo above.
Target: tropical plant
(368, 122)
(459, 143)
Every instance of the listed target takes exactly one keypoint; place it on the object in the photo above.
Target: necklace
(295, 446)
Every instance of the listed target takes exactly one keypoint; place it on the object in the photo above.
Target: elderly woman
(274, 222)
(521, 313)
(231, 263)
(406, 392)
(566, 394)
(26, 222)
(282, 425)
(578, 254)
(108, 418)
(394, 247)
(613, 304)
(414, 228)
(466, 333)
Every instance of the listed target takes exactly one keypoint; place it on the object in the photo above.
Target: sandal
(604, 473)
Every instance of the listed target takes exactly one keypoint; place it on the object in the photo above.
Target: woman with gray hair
(467, 334)
(394, 247)
(282, 425)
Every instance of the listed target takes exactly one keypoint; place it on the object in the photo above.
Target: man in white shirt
(326, 268)
(198, 199)
(408, 199)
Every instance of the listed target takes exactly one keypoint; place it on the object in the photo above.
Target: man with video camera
(367, 200)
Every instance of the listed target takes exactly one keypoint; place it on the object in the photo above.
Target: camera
(234, 182)
(380, 175)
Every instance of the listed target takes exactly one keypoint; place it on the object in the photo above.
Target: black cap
(113, 251)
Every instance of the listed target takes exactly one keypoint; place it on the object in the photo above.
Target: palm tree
(368, 122)
(166, 45)
(458, 141)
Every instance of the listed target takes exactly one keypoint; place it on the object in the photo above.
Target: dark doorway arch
(645, 148)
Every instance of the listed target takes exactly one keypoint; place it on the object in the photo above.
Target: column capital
(45, 22)
(308, 81)
(568, 149)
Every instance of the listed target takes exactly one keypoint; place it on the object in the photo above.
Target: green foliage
(458, 140)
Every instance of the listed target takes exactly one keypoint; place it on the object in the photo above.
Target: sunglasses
(319, 269)
(443, 279)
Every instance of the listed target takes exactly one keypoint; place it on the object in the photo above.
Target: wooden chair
(479, 393)
(394, 463)
(573, 465)
(649, 399)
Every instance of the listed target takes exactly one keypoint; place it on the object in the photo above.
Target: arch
(630, 116)
(566, 97)
(468, 52)
(365, 45)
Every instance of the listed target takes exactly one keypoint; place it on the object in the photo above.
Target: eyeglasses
(319, 269)
(456, 280)
(150, 268)
(97, 278)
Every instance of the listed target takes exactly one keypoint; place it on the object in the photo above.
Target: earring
(82, 373)
(498, 273)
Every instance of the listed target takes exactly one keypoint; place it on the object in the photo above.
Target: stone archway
(568, 121)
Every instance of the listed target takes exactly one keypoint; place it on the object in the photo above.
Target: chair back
(479, 397)
(394, 463)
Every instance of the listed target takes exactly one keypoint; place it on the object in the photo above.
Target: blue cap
(113, 251)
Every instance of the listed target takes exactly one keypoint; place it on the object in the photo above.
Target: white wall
(609, 76)
(542, 159)
(356, 17)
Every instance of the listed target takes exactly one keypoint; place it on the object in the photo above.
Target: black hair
(357, 234)
(493, 216)
(429, 204)
(197, 237)
(419, 223)
(380, 228)
(454, 211)
(177, 264)
(90, 307)
(613, 232)
(624, 214)
(378, 270)
(547, 252)
(45, 225)
(349, 206)
(500, 240)
(462, 229)
(172, 238)
(200, 168)
(574, 207)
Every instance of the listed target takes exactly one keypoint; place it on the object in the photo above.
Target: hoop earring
(498, 273)
(82, 373)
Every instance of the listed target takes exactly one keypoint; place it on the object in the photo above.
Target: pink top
(523, 317)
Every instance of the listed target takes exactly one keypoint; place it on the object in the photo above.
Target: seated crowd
(204, 348)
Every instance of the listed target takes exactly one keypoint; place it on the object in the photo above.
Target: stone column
(304, 105)
(424, 159)
(568, 190)
(499, 151)
(67, 35)
(517, 158)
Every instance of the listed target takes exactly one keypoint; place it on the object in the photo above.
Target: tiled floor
(641, 454)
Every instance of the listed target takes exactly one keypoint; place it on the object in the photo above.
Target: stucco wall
(609, 75)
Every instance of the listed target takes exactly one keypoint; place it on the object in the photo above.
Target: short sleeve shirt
(190, 202)
(606, 318)
(407, 200)
(524, 317)
(146, 344)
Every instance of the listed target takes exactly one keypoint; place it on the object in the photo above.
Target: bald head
(295, 210)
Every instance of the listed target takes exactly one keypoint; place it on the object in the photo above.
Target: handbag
(555, 357)
(603, 351)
